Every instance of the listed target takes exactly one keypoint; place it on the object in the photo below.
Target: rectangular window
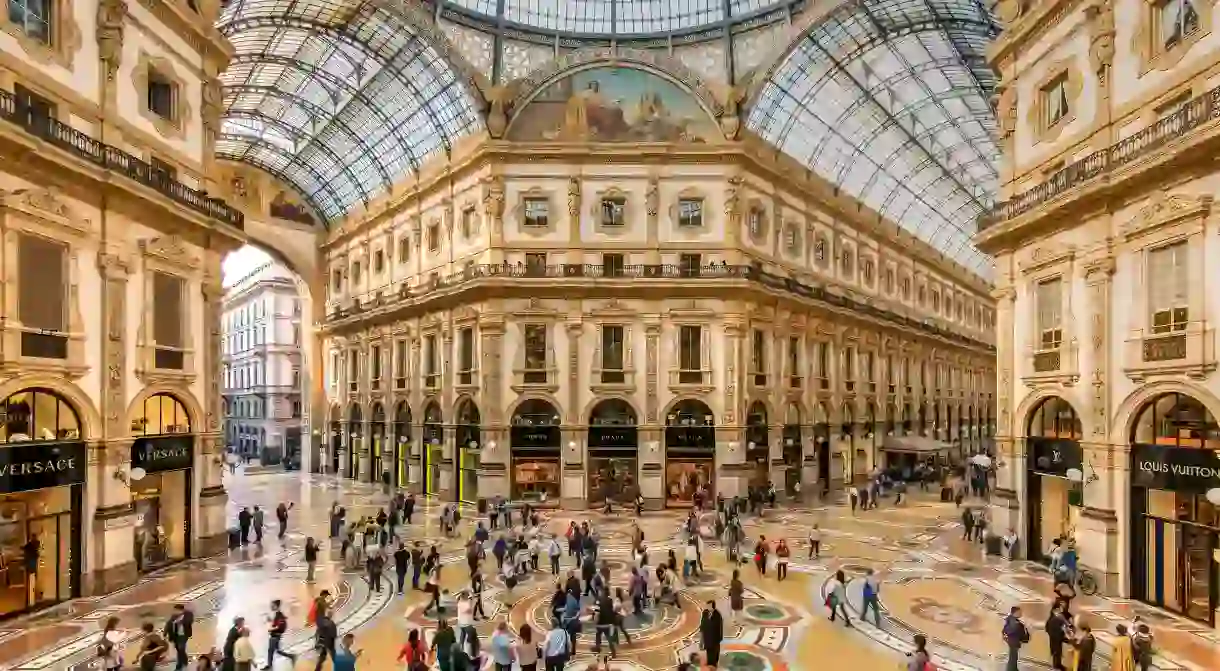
(535, 264)
(434, 238)
(849, 368)
(375, 363)
(432, 362)
(42, 297)
(794, 361)
(758, 356)
(336, 280)
(466, 356)
(353, 370)
(613, 211)
(613, 357)
(1048, 297)
(689, 265)
(1167, 288)
(535, 354)
(161, 95)
(400, 364)
(33, 17)
(378, 261)
(356, 273)
(168, 318)
(537, 212)
(690, 213)
(822, 363)
(1055, 101)
(467, 222)
(869, 363)
(404, 248)
(1178, 19)
(690, 353)
(613, 265)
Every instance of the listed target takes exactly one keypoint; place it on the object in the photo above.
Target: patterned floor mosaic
(934, 583)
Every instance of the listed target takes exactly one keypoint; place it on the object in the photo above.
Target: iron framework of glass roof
(338, 98)
(620, 18)
(888, 99)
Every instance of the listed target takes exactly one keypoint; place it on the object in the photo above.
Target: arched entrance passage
(402, 444)
(534, 446)
(161, 480)
(433, 447)
(377, 472)
(821, 442)
(468, 445)
(690, 452)
(1175, 526)
(793, 430)
(1052, 446)
(758, 441)
(613, 442)
(44, 459)
(330, 462)
(355, 420)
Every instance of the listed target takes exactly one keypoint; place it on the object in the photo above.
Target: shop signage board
(1055, 456)
(1175, 469)
(37, 465)
(163, 453)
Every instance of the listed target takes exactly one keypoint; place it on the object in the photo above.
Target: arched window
(160, 414)
(1054, 417)
(1176, 420)
(38, 415)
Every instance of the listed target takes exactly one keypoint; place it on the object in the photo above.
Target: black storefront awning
(1054, 456)
(613, 438)
(691, 440)
(37, 465)
(534, 438)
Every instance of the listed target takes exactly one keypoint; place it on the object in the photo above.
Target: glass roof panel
(888, 99)
(337, 97)
(611, 17)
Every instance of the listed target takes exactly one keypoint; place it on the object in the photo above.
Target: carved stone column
(1098, 530)
(448, 460)
(733, 474)
(494, 461)
(652, 211)
(415, 464)
(209, 497)
(112, 561)
(572, 492)
(493, 210)
(652, 440)
(1007, 505)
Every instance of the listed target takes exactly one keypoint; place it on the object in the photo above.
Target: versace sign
(163, 453)
(28, 466)
(1175, 469)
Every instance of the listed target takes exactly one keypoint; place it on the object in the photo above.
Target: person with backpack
(152, 649)
(1141, 646)
(920, 660)
(275, 634)
(1015, 635)
(414, 653)
(556, 647)
(108, 646)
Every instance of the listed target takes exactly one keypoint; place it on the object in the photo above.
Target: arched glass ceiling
(613, 17)
(888, 99)
(339, 98)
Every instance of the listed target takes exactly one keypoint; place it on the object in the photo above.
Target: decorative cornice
(1164, 209)
(1043, 258)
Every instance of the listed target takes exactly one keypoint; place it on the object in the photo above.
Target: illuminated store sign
(29, 466)
(1175, 469)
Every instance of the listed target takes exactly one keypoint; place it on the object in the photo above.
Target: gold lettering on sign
(38, 467)
(1165, 348)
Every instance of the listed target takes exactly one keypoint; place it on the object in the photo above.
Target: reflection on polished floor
(934, 583)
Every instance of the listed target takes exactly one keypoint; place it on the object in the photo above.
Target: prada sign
(613, 437)
(542, 436)
(1054, 456)
(164, 453)
(1175, 469)
(28, 466)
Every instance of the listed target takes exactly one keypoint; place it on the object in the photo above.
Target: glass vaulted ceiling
(601, 18)
(339, 98)
(889, 100)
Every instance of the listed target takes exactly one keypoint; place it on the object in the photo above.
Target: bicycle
(1087, 582)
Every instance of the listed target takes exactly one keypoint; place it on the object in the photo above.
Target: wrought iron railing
(715, 272)
(1190, 116)
(82, 146)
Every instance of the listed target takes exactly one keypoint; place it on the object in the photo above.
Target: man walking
(1015, 635)
(178, 631)
(281, 515)
(275, 634)
(258, 525)
(872, 590)
(243, 523)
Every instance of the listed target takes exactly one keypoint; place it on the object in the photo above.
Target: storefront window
(402, 444)
(377, 445)
(469, 442)
(1175, 477)
(162, 460)
(433, 448)
(613, 442)
(534, 476)
(690, 449)
(355, 419)
(534, 438)
(40, 506)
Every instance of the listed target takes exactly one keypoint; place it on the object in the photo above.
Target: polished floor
(934, 583)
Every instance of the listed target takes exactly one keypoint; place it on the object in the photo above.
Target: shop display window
(684, 478)
(35, 549)
(613, 478)
(532, 476)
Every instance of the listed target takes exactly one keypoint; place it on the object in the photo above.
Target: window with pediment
(866, 270)
(819, 250)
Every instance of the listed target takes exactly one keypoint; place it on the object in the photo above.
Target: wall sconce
(491, 445)
(1077, 476)
(868, 436)
(572, 445)
(750, 445)
(474, 444)
(434, 441)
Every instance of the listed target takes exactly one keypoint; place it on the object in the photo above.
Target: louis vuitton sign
(29, 466)
(163, 453)
(1175, 469)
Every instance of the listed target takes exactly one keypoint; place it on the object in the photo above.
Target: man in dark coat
(178, 631)
(711, 633)
(231, 640)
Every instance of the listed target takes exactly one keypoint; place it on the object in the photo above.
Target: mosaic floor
(934, 583)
